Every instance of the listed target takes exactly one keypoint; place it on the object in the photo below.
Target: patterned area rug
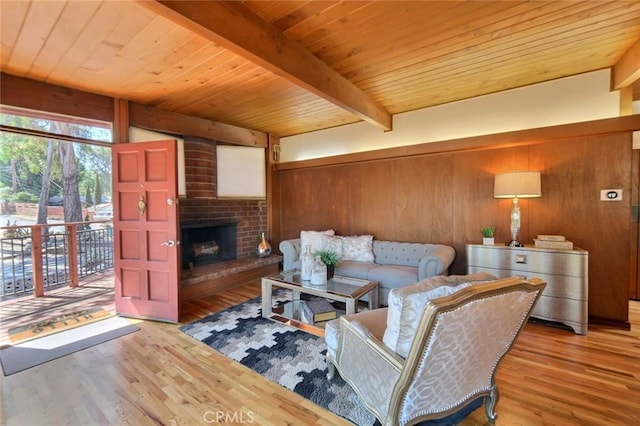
(281, 353)
(288, 356)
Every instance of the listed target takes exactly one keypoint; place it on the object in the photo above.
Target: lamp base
(514, 243)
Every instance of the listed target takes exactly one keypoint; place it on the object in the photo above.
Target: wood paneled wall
(447, 197)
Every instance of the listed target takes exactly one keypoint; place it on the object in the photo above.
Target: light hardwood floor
(159, 376)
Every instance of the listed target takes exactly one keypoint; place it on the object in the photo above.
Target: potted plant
(329, 258)
(488, 233)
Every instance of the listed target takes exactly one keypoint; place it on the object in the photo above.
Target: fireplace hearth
(210, 242)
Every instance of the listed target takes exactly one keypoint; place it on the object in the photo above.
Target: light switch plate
(610, 194)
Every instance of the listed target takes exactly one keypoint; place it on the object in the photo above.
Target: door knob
(170, 243)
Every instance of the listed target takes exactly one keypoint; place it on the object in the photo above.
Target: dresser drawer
(557, 285)
(574, 313)
(529, 261)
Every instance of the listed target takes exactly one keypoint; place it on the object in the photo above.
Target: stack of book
(318, 311)
(552, 242)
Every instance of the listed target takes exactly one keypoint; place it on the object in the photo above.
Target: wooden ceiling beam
(156, 119)
(627, 70)
(236, 28)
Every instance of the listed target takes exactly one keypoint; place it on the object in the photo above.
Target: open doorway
(55, 182)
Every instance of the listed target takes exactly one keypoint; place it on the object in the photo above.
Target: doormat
(57, 324)
(48, 348)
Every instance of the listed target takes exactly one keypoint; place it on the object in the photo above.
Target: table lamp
(516, 185)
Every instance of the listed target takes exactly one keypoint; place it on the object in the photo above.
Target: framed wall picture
(241, 172)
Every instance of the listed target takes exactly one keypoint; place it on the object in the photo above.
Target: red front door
(146, 236)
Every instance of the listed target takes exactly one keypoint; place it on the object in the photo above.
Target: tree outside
(52, 171)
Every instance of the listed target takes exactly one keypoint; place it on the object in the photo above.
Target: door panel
(157, 251)
(146, 230)
(158, 289)
(161, 212)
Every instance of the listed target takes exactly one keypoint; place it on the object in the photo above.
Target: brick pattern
(201, 205)
(251, 216)
(200, 169)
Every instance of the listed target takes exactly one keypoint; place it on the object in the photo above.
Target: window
(33, 147)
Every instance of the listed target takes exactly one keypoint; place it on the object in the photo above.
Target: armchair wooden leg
(490, 405)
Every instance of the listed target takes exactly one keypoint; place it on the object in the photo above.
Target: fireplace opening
(206, 243)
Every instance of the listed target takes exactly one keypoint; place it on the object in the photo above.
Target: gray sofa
(396, 264)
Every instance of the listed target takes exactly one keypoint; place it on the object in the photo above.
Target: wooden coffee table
(341, 289)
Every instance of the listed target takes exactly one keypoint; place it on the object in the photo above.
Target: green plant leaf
(488, 231)
(328, 257)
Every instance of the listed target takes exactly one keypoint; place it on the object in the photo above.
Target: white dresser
(566, 296)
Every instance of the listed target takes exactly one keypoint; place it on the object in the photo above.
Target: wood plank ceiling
(370, 58)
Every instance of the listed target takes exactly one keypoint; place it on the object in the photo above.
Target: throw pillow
(358, 247)
(313, 238)
(406, 305)
(333, 243)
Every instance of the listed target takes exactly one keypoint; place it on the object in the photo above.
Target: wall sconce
(276, 153)
(516, 185)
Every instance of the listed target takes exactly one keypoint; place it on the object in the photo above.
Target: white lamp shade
(517, 184)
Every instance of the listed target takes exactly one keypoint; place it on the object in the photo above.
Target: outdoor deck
(97, 290)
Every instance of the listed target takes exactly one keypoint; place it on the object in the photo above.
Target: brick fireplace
(201, 207)
(200, 210)
(208, 242)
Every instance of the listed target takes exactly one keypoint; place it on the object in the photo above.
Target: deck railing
(39, 257)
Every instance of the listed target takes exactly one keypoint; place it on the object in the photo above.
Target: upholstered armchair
(442, 358)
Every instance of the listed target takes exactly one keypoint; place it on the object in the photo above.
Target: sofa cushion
(354, 269)
(315, 239)
(358, 247)
(331, 336)
(406, 305)
(393, 276)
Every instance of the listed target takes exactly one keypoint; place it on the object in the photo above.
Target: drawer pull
(521, 258)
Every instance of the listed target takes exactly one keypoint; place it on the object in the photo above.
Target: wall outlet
(610, 194)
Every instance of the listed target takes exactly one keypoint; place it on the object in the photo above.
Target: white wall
(574, 99)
